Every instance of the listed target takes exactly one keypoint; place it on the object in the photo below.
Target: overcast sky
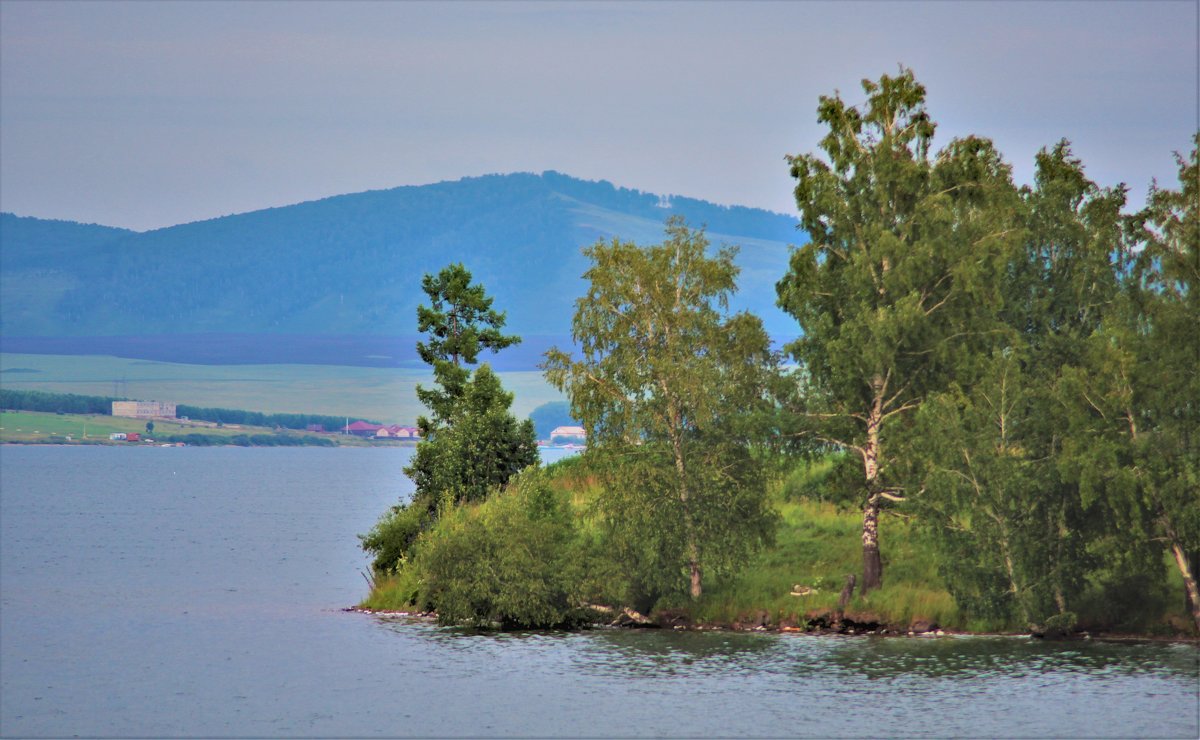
(148, 114)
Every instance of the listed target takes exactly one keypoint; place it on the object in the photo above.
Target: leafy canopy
(663, 380)
(896, 281)
(472, 444)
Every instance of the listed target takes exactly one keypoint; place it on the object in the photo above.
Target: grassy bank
(816, 547)
(797, 581)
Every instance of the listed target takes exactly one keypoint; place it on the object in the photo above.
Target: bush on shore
(510, 561)
(535, 555)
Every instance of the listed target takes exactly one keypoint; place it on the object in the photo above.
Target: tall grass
(817, 546)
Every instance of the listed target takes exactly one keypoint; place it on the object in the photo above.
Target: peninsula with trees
(988, 421)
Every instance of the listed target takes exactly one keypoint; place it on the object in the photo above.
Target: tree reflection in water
(1010, 657)
(650, 652)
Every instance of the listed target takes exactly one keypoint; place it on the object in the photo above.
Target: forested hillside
(351, 264)
(40, 262)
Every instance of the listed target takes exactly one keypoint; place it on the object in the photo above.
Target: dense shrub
(508, 562)
(392, 536)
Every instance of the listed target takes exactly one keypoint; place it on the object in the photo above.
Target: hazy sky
(147, 114)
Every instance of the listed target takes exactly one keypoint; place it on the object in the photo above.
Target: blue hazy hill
(352, 264)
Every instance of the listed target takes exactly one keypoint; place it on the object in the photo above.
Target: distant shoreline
(136, 445)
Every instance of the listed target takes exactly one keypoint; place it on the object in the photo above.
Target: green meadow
(386, 395)
(40, 426)
(35, 426)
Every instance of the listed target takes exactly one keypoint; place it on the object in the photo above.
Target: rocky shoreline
(816, 623)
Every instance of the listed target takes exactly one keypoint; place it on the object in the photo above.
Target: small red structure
(362, 429)
(133, 437)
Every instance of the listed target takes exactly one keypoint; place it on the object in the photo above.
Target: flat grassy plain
(38, 426)
(386, 395)
(45, 427)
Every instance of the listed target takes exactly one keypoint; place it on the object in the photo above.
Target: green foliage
(817, 547)
(67, 402)
(472, 445)
(397, 592)
(1013, 370)
(1168, 391)
(480, 451)
(1008, 457)
(509, 562)
(393, 535)
(664, 387)
(460, 320)
(254, 440)
(830, 478)
(897, 284)
(1060, 625)
(260, 419)
(1016, 368)
(648, 531)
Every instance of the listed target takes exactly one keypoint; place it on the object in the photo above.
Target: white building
(143, 409)
(568, 434)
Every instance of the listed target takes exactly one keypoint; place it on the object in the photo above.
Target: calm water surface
(151, 592)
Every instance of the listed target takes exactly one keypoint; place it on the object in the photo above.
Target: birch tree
(897, 282)
(980, 502)
(1169, 272)
(1134, 411)
(1062, 288)
(1006, 453)
(663, 376)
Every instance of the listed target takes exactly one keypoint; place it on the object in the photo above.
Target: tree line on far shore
(72, 403)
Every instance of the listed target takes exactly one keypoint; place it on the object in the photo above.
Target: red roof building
(395, 431)
(362, 429)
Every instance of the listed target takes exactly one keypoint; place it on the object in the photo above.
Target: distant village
(156, 410)
(379, 431)
(567, 436)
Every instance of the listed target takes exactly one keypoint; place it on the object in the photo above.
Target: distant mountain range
(341, 276)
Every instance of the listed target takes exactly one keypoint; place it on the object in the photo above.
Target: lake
(155, 592)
